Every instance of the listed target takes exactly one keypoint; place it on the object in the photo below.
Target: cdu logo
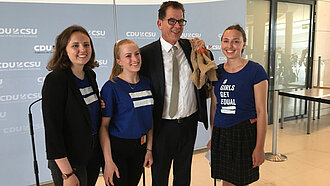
(21, 129)
(43, 49)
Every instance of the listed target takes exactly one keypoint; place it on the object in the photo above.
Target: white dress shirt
(187, 103)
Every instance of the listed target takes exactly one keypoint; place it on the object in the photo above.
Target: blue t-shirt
(91, 101)
(129, 106)
(235, 94)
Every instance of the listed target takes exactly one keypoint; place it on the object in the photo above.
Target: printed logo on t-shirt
(228, 105)
(143, 99)
(88, 99)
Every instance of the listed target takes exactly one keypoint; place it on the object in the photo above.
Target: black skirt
(231, 153)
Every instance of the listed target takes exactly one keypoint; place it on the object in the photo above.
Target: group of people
(146, 114)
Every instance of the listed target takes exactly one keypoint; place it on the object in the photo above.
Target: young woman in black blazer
(71, 110)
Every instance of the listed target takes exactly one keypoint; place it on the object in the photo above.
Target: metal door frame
(272, 49)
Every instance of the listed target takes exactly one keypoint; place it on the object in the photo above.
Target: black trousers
(174, 141)
(87, 174)
(128, 155)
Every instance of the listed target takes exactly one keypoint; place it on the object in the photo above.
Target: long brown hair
(116, 68)
(60, 58)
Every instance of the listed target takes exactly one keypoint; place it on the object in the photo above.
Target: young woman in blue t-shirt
(126, 127)
(238, 114)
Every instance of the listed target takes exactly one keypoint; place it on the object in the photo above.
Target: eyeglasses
(172, 21)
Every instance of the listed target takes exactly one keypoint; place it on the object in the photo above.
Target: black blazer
(153, 67)
(68, 126)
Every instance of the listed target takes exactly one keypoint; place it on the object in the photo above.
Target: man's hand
(198, 45)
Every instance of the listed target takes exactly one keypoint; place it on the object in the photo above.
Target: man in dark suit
(178, 105)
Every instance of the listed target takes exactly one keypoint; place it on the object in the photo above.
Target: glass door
(292, 53)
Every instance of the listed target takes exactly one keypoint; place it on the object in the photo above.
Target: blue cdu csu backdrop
(27, 38)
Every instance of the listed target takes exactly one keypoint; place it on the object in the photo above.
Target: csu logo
(43, 48)
(102, 62)
(97, 33)
(214, 47)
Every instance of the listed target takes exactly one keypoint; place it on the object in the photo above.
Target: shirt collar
(167, 46)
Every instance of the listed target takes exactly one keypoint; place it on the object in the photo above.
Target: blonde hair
(117, 69)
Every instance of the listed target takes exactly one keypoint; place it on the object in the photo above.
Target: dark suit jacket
(68, 126)
(153, 67)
